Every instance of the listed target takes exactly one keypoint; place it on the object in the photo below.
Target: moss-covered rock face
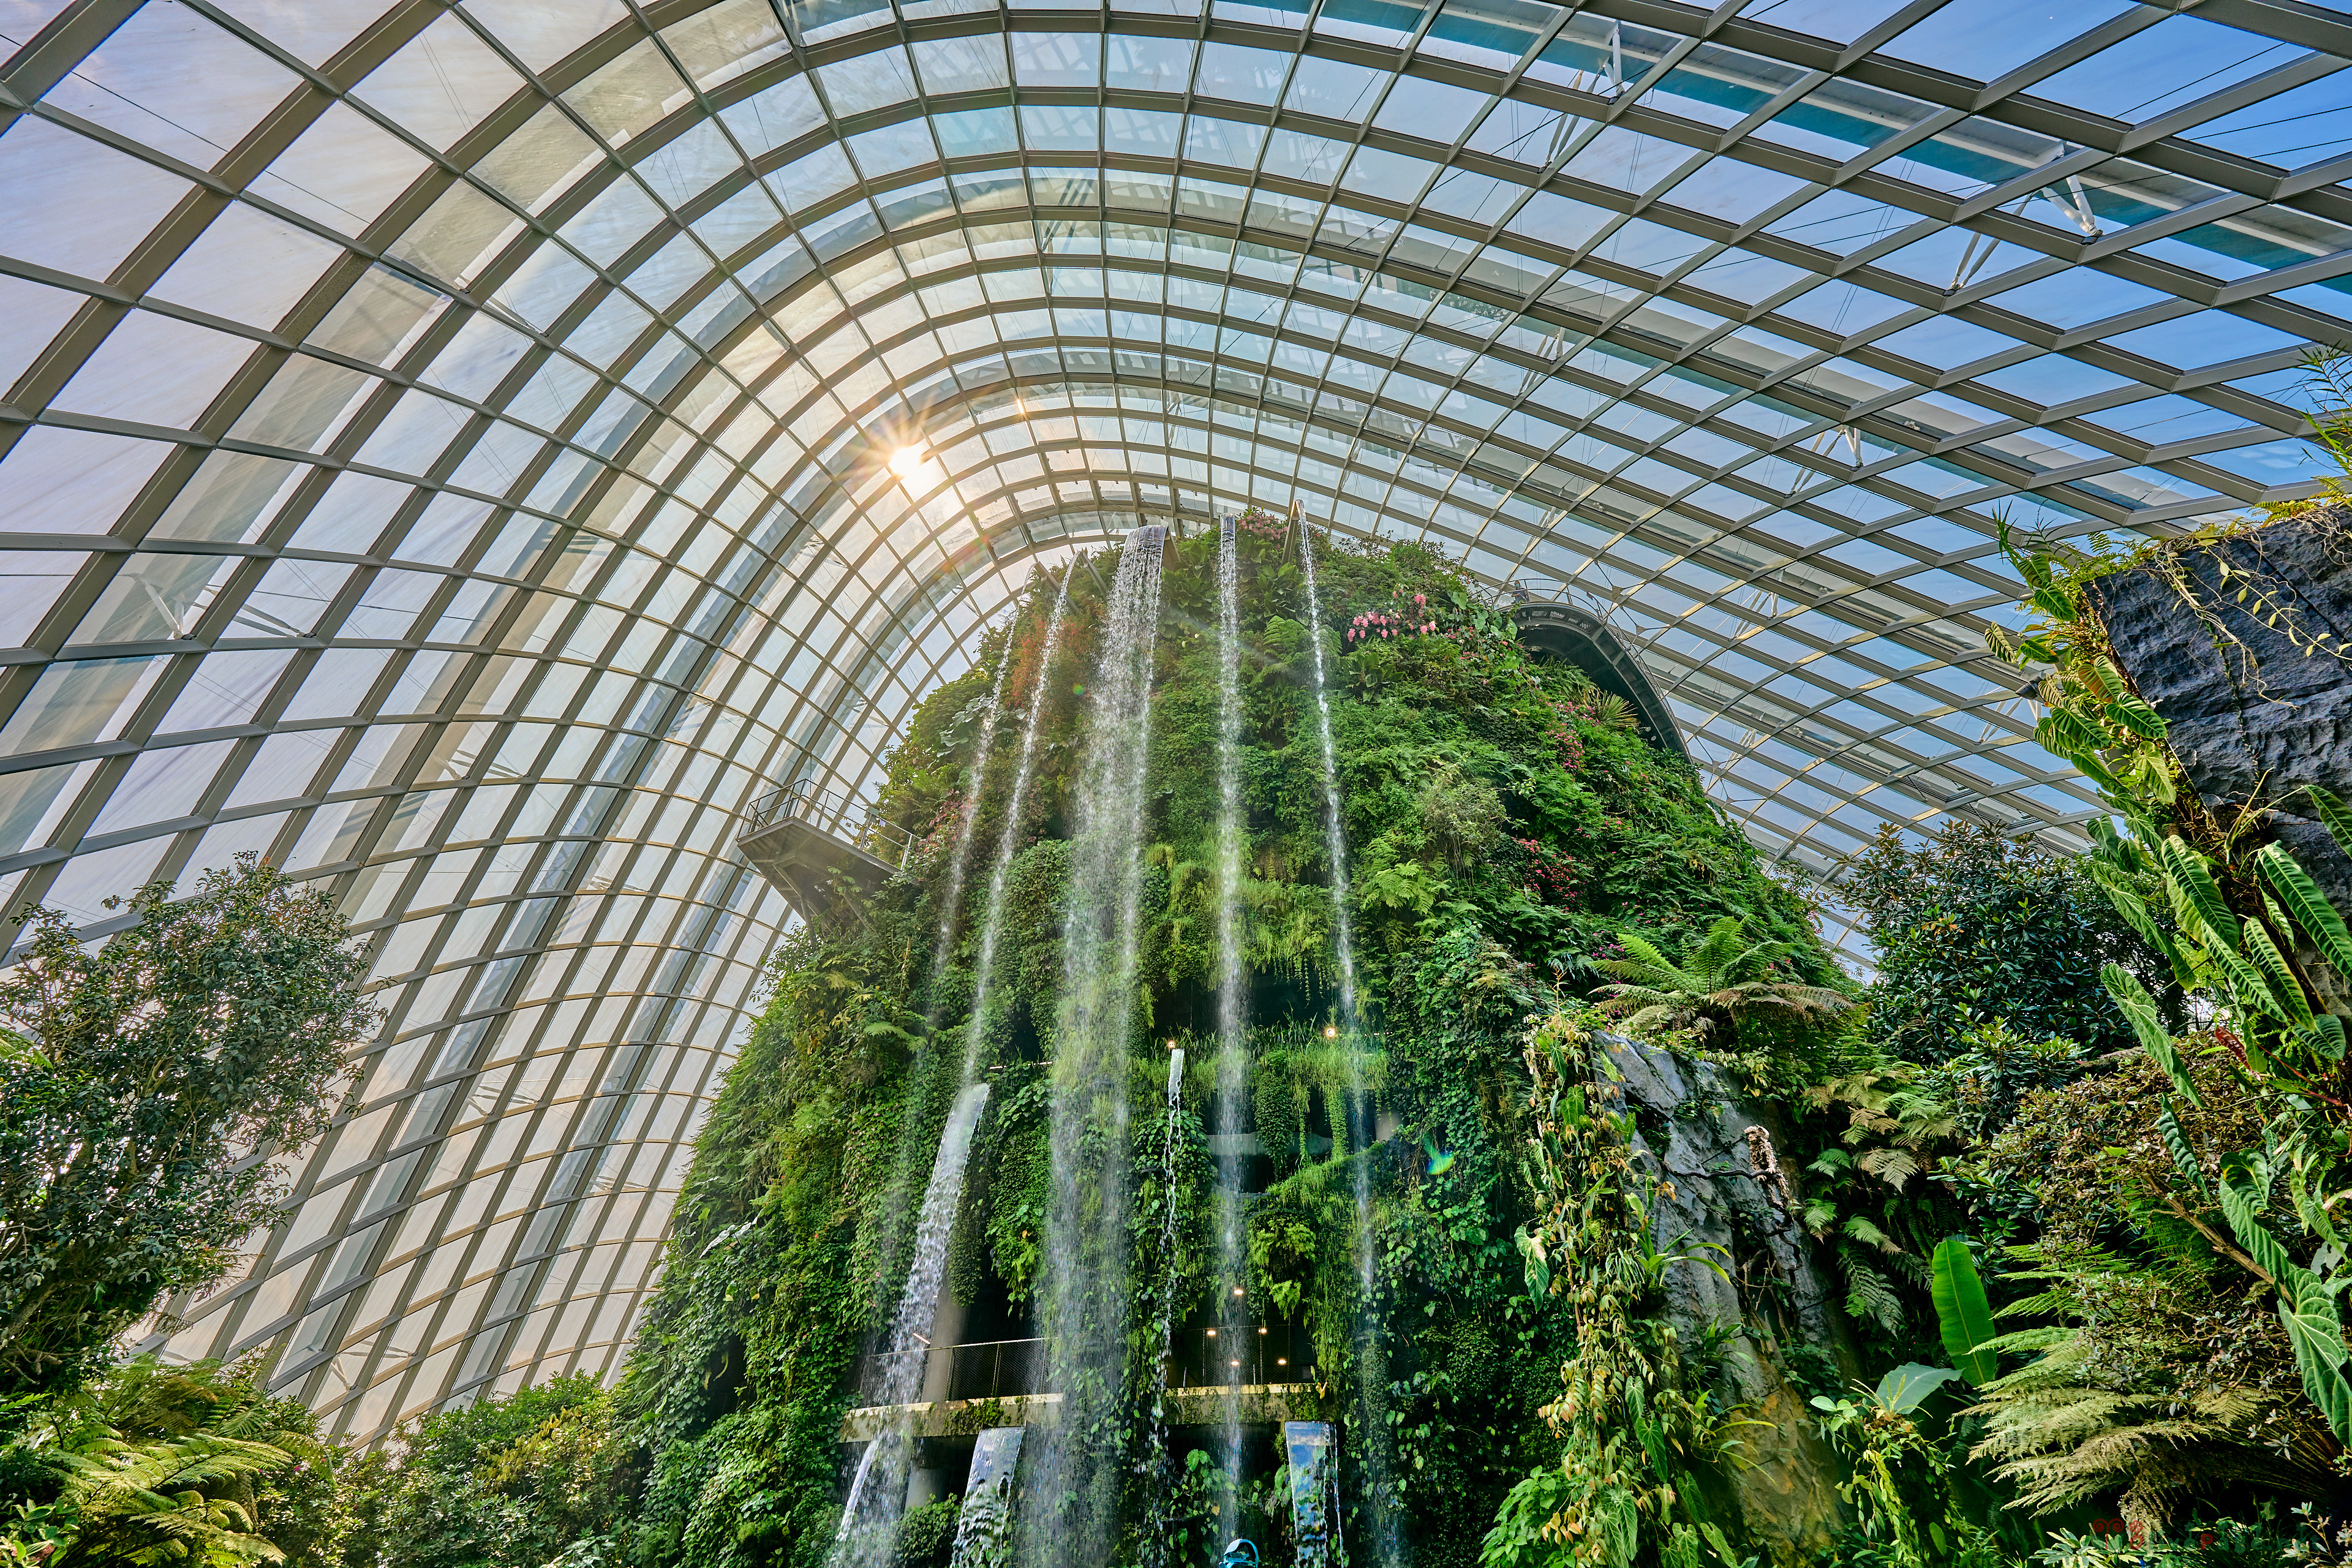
(1505, 826)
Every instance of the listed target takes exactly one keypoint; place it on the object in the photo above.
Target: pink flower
(1420, 598)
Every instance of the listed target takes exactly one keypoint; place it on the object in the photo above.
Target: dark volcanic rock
(1705, 1141)
(2255, 713)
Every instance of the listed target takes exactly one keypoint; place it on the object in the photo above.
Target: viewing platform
(801, 838)
(1582, 640)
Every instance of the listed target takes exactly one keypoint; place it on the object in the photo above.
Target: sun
(907, 462)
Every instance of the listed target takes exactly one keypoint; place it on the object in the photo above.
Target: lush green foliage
(1981, 926)
(152, 1464)
(1504, 823)
(507, 1483)
(140, 1075)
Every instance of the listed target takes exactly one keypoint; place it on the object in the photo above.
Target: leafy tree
(147, 1083)
(1977, 926)
(1721, 978)
(505, 1483)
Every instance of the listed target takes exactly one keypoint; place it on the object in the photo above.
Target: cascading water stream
(1008, 842)
(950, 907)
(1087, 1252)
(1233, 1067)
(869, 1521)
(1372, 1374)
(1158, 1478)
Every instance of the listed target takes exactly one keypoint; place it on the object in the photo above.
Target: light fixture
(1213, 1333)
(1261, 1331)
(1237, 1289)
(907, 462)
(1282, 1361)
(1330, 1031)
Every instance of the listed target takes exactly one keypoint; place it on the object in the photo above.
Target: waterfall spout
(1371, 1370)
(869, 1522)
(1232, 1065)
(1087, 1252)
(984, 1526)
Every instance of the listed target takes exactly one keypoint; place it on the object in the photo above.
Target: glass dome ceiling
(470, 451)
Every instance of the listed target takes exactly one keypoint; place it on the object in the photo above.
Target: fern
(1869, 1296)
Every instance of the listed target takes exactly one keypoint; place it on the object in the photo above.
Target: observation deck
(800, 837)
(1585, 640)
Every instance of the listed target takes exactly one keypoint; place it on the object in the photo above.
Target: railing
(827, 810)
(1000, 1368)
(990, 1370)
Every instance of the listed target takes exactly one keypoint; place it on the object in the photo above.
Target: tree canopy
(145, 1084)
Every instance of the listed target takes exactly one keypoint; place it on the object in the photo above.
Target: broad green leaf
(2309, 906)
(2113, 847)
(1963, 1313)
(2065, 731)
(2278, 979)
(2325, 1036)
(2240, 1205)
(2099, 774)
(2176, 1141)
(2333, 815)
(2317, 1336)
(2187, 870)
(2054, 604)
(2137, 716)
(1904, 1389)
(2129, 905)
(2147, 1027)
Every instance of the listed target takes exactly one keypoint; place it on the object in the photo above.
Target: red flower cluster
(1366, 626)
(1549, 875)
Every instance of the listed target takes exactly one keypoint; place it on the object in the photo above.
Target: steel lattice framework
(468, 451)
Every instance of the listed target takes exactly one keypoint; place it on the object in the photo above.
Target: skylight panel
(1491, 33)
(1985, 39)
(2206, 337)
(1602, 55)
(1241, 75)
(2160, 68)
(1840, 120)
(1433, 111)
(1386, 22)
(1842, 223)
(2305, 125)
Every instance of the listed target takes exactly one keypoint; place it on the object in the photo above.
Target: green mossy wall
(1504, 825)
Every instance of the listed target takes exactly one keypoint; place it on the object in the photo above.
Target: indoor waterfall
(951, 908)
(1085, 1294)
(1008, 842)
(1232, 1126)
(1371, 1360)
(1161, 1342)
(869, 1520)
(878, 1493)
